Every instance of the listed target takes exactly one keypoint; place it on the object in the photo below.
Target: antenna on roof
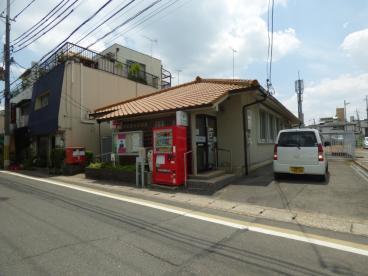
(234, 51)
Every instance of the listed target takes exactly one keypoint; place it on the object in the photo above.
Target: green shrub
(124, 168)
(96, 165)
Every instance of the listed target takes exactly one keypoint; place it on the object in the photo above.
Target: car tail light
(320, 153)
(275, 152)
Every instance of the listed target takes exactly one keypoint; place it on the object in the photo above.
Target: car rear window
(297, 139)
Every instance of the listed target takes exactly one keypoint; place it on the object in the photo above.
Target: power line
(73, 32)
(19, 65)
(24, 40)
(19, 13)
(54, 10)
(2, 13)
(110, 17)
(24, 44)
(144, 19)
(76, 29)
(124, 23)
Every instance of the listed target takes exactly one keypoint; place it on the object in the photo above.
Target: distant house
(232, 124)
(52, 103)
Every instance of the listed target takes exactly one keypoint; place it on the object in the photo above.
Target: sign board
(181, 118)
(127, 143)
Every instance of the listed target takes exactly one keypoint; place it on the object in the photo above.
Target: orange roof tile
(200, 92)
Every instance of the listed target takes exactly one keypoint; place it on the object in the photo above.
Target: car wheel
(323, 177)
(276, 176)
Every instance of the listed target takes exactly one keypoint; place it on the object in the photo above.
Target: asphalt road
(52, 230)
(344, 194)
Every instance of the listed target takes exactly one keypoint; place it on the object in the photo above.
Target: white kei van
(300, 151)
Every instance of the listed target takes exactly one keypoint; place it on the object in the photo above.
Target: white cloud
(355, 45)
(322, 98)
(193, 36)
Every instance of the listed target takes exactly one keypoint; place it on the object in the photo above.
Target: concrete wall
(153, 65)
(84, 90)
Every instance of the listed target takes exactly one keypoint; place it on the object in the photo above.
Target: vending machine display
(169, 147)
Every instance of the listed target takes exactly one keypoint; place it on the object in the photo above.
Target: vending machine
(169, 147)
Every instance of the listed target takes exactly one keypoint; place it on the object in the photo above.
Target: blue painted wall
(45, 121)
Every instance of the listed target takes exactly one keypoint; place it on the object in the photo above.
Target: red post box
(169, 147)
(75, 156)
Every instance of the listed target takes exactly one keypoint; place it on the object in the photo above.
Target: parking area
(344, 194)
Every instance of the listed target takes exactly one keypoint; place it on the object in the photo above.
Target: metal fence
(340, 145)
(70, 51)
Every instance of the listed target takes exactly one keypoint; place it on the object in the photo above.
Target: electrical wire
(103, 22)
(24, 44)
(73, 32)
(143, 20)
(53, 11)
(19, 13)
(19, 65)
(49, 25)
(76, 29)
(125, 22)
(2, 13)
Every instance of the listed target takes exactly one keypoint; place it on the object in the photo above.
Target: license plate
(296, 170)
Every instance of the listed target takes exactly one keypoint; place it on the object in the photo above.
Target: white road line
(346, 246)
(360, 171)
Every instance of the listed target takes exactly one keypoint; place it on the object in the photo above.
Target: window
(271, 127)
(297, 139)
(263, 125)
(42, 101)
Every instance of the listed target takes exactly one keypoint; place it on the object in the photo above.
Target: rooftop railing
(70, 51)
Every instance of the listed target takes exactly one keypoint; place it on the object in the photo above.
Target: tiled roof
(200, 92)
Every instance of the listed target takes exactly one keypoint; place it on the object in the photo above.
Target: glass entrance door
(206, 141)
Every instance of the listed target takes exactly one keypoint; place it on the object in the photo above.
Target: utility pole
(7, 86)
(366, 106)
(345, 120)
(234, 51)
(299, 89)
(358, 118)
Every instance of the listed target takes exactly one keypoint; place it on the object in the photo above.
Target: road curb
(365, 168)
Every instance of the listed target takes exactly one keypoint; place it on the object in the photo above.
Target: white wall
(153, 65)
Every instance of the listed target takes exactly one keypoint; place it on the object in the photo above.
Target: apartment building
(52, 103)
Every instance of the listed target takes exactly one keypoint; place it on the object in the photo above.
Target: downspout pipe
(245, 125)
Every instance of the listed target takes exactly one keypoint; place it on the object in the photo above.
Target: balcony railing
(70, 51)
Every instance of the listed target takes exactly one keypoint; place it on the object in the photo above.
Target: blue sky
(325, 40)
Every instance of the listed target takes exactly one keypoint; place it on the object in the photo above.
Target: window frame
(40, 101)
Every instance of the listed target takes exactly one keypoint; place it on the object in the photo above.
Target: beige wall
(230, 132)
(84, 90)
